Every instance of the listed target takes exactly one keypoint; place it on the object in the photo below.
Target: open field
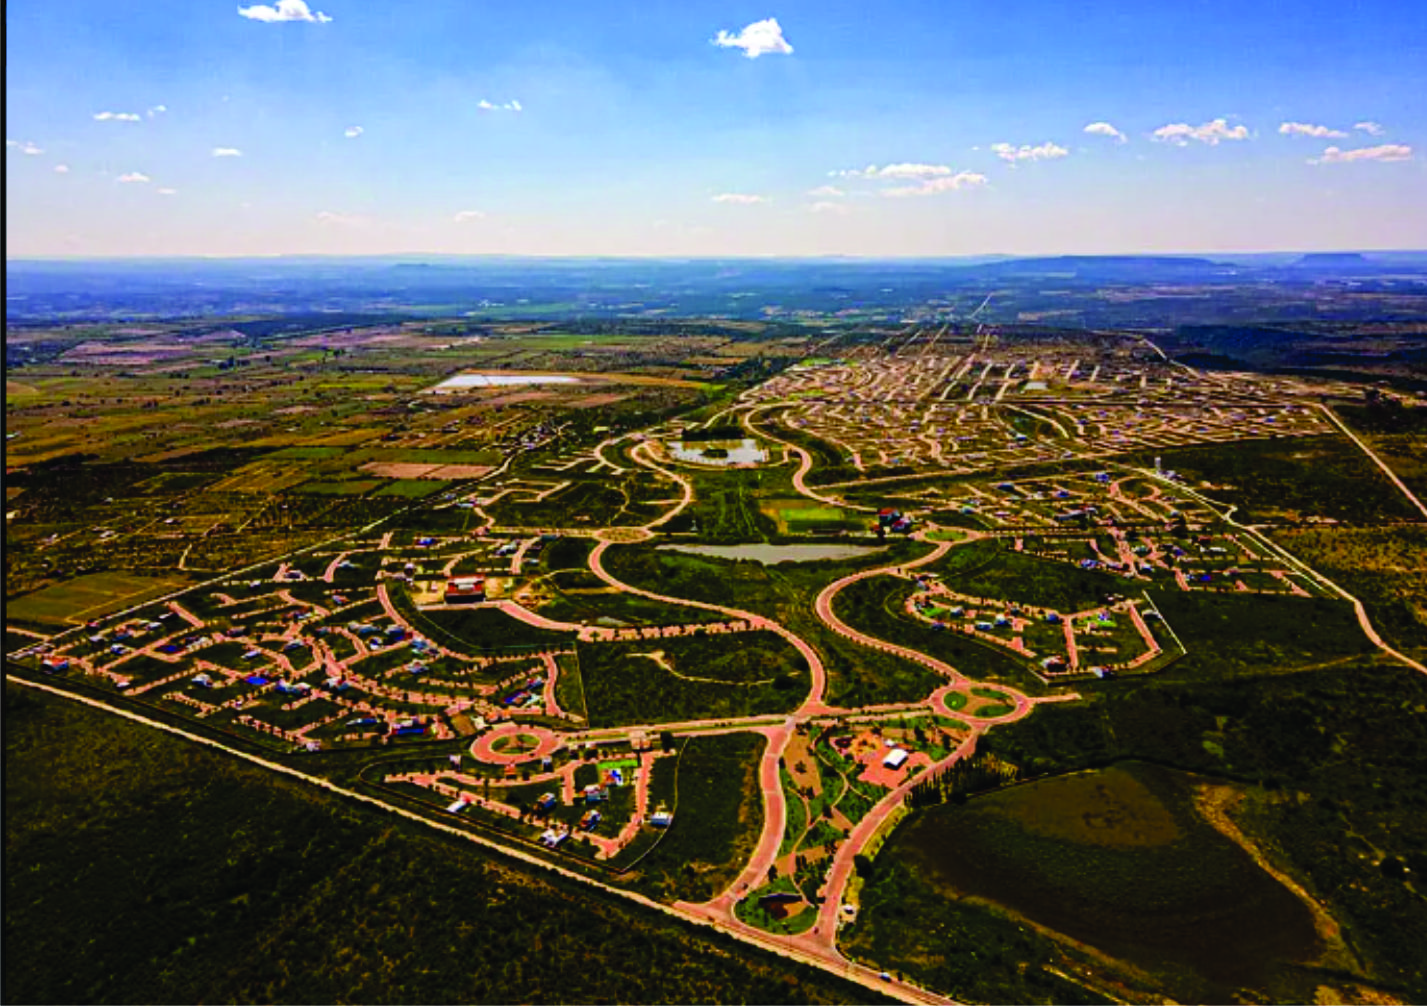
(88, 597)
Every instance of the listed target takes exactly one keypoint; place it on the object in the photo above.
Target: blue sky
(896, 128)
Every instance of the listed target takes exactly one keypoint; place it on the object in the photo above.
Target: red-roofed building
(466, 590)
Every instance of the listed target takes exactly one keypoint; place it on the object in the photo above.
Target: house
(457, 807)
(661, 819)
(545, 803)
(465, 590)
(896, 758)
(590, 819)
(594, 793)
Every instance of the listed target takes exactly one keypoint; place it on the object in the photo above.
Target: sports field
(798, 517)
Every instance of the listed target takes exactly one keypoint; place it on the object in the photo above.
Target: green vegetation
(476, 631)
(1381, 567)
(694, 677)
(110, 848)
(87, 597)
(717, 822)
(785, 592)
(411, 488)
(1332, 753)
(968, 950)
(877, 606)
(989, 569)
(350, 487)
(1290, 479)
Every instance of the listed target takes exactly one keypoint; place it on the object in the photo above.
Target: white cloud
(352, 132)
(117, 117)
(25, 148)
(285, 10)
(944, 183)
(515, 106)
(156, 110)
(739, 198)
(913, 171)
(1385, 152)
(1105, 129)
(1308, 129)
(1180, 133)
(826, 192)
(133, 176)
(894, 171)
(465, 215)
(490, 106)
(758, 39)
(1045, 152)
(341, 219)
(166, 192)
(826, 207)
(1371, 128)
(227, 152)
(61, 169)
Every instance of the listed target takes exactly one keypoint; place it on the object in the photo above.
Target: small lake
(719, 452)
(460, 381)
(773, 554)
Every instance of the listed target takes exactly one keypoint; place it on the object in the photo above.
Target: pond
(1119, 859)
(773, 554)
(719, 452)
(461, 381)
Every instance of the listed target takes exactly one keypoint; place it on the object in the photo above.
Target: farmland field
(87, 597)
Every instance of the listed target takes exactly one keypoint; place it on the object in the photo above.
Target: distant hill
(1107, 266)
(1332, 260)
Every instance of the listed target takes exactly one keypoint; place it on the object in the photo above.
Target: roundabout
(514, 745)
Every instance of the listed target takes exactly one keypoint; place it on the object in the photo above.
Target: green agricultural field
(411, 488)
(695, 677)
(351, 487)
(87, 597)
(306, 453)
